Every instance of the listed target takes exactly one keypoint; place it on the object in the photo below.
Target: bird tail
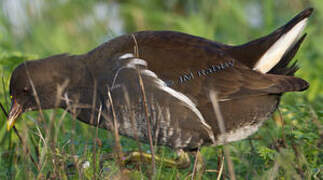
(282, 66)
(272, 53)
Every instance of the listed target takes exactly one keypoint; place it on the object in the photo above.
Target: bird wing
(172, 114)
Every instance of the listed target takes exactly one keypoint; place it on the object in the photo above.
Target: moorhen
(176, 71)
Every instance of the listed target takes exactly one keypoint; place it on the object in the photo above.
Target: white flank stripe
(126, 56)
(150, 73)
(277, 50)
(135, 61)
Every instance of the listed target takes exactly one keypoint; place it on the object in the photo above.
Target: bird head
(33, 86)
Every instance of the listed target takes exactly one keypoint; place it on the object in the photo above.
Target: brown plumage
(178, 70)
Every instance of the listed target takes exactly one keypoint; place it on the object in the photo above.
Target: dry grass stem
(116, 131)
(221, 169)
(42, 157)
(42, 117)
(133, 124)
(216, 108)
(136, 47)
(144, 98)
(195, 164)
(95, 142)
(151, 144)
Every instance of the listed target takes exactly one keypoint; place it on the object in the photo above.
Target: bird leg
(183, 160)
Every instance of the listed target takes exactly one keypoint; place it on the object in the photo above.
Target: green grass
(291, 151)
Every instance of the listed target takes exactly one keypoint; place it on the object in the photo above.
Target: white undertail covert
(274, 54)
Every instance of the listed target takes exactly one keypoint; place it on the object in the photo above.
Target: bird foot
(183, 160)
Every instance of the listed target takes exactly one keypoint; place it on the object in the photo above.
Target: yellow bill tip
(14, 114)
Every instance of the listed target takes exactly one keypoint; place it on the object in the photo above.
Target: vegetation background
(32, 29)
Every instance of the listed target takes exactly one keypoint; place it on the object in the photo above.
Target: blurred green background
(32, 29)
